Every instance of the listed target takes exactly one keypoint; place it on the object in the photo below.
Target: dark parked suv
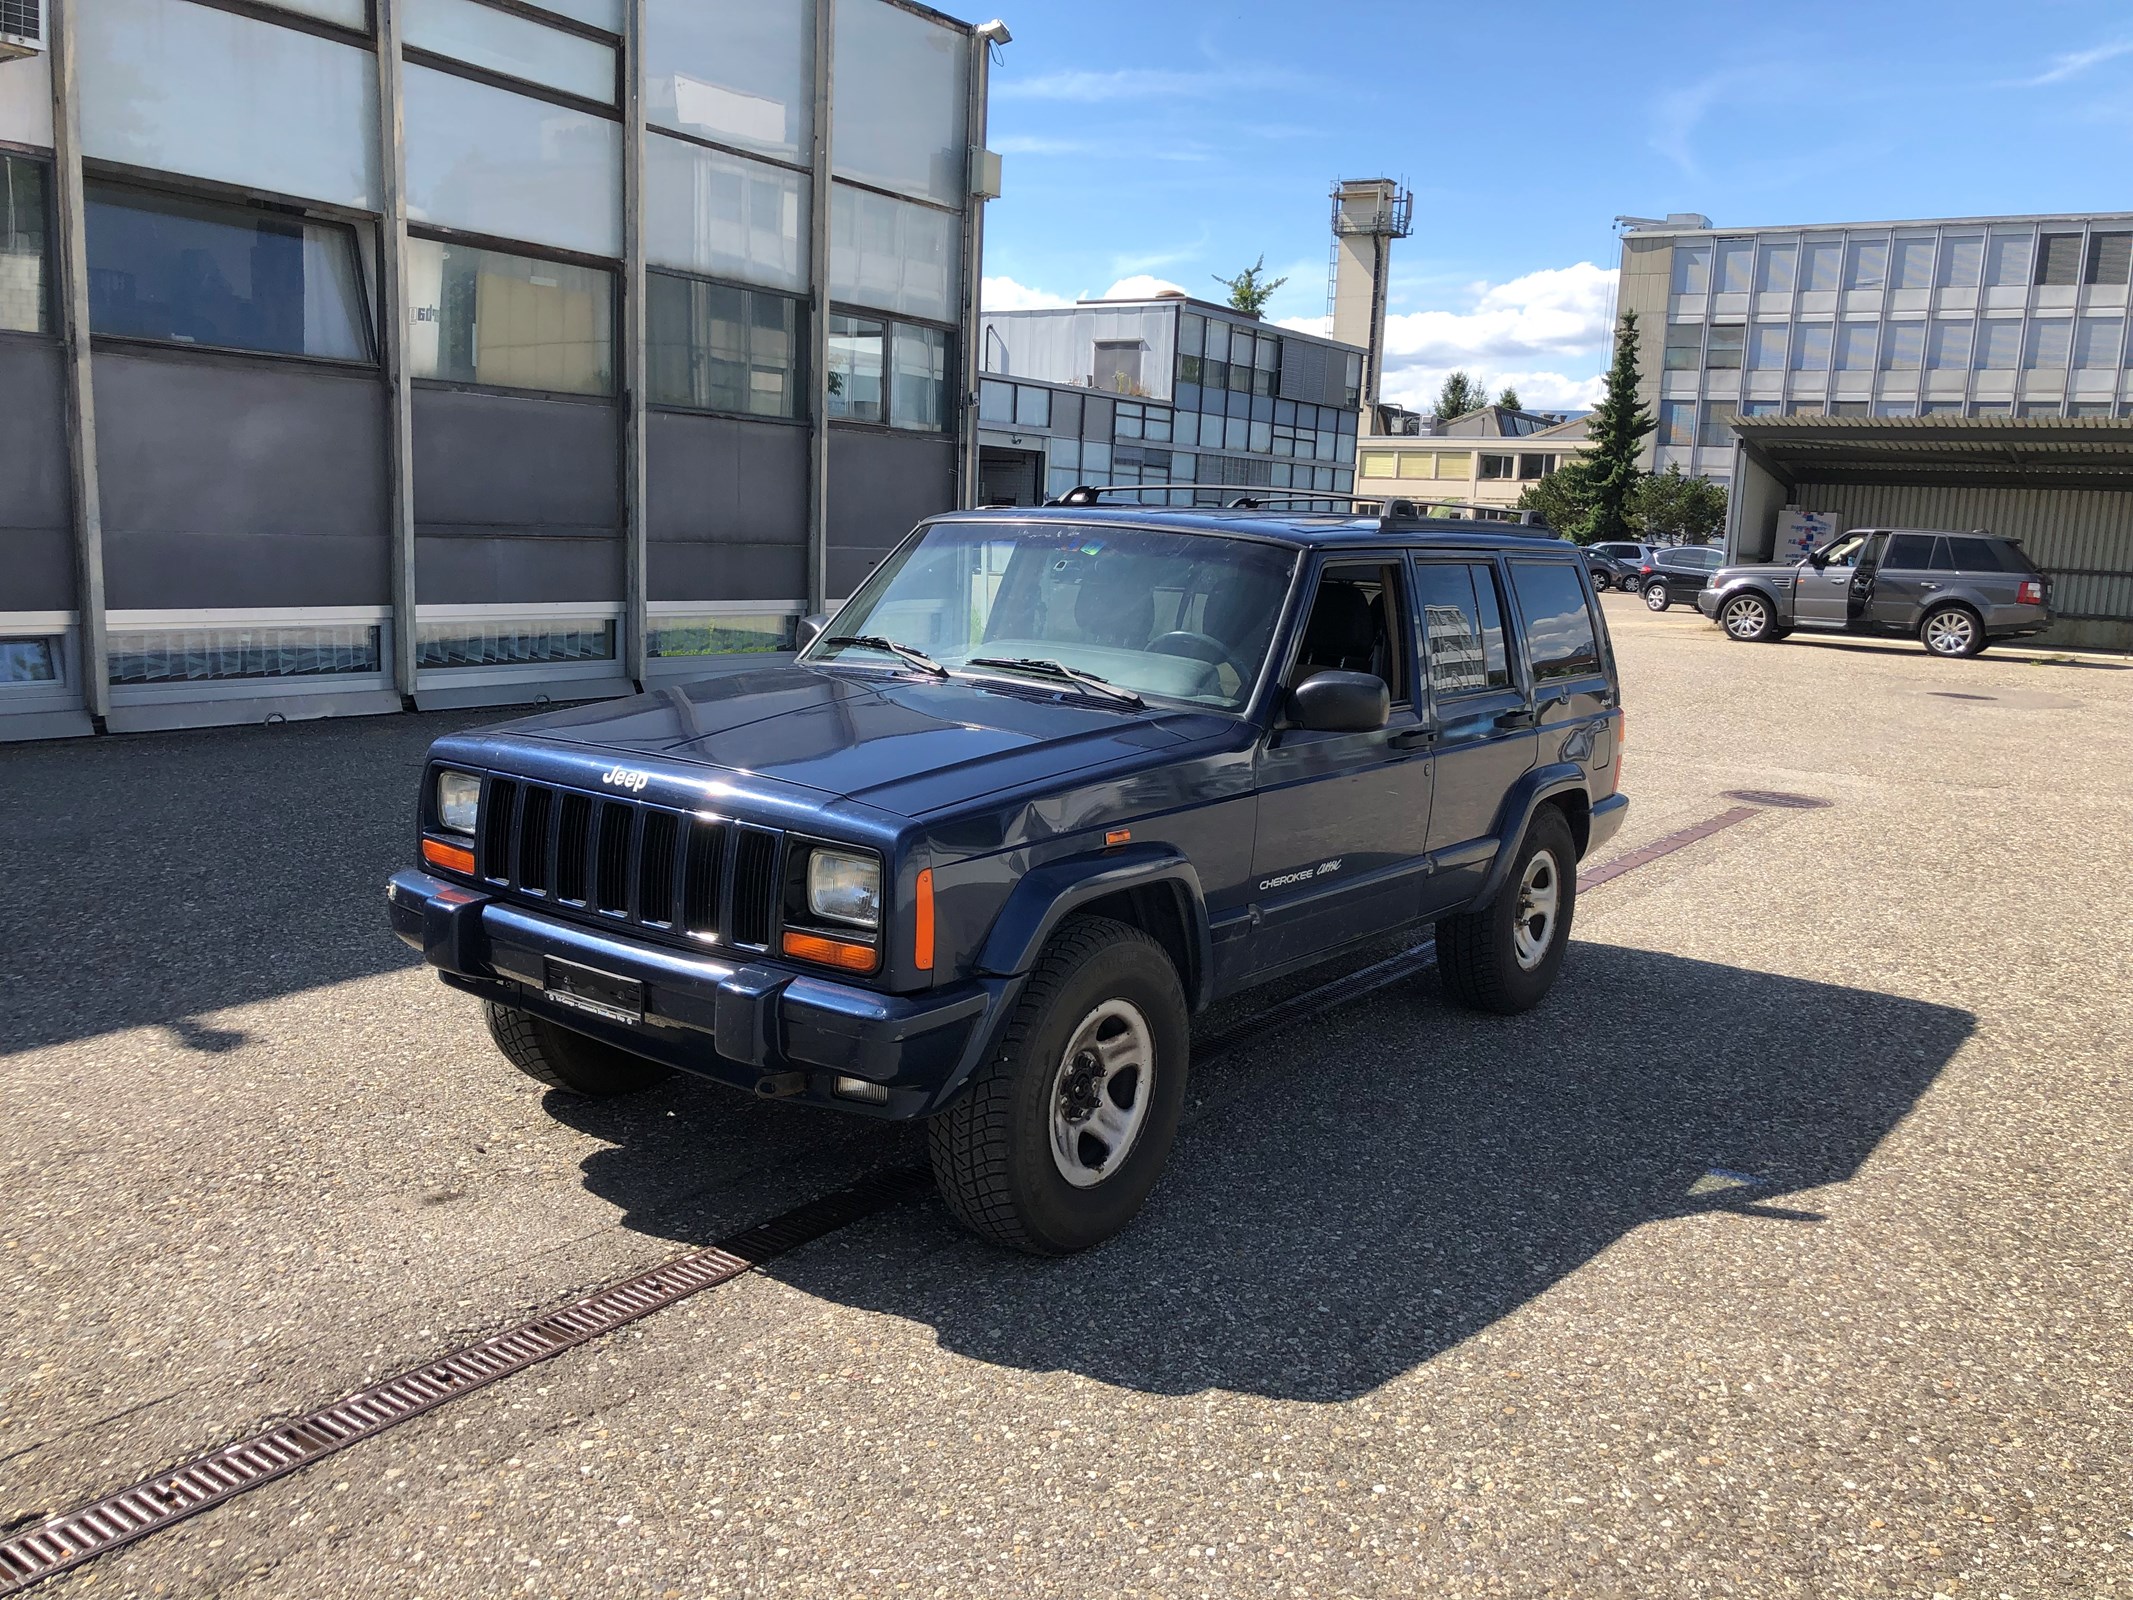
(1954, 592)
(1675, 575)
(1051, 782)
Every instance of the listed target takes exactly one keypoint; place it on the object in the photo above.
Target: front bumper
(756, 1025)
(1707, 603)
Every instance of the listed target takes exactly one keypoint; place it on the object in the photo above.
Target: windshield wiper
(874, 641)
(1056, 669)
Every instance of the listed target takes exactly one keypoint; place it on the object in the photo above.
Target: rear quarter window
(1562, 640)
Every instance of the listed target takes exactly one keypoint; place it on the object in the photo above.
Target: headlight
(844, 888)
(458, 798)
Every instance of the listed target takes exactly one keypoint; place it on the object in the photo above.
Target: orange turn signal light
(1117, 837)
(451, 857)
(922, 932)
(842, 954)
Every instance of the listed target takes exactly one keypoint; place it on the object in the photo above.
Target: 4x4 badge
(626, 778)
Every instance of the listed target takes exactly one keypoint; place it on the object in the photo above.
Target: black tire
(1656, 597)
(1601, 582)
(1750, 618)
(565, 1060)
(1629, 585)
(992, 1150)
(1478, 951)
(1952, 631)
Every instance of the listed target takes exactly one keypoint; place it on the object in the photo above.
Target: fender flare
(1046, 896)
(1779, 611)
(1526, 797)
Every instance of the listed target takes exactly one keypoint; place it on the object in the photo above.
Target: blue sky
(1175, 139)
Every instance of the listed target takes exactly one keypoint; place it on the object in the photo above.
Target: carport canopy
(1944, 452)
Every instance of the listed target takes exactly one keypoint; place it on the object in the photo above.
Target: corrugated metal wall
(2082, 537)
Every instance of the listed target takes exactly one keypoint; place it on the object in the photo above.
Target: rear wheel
(565, 1060)
(1629, 583)
(1059, 1138)
(1601, 582)
(1504, 957)
(1952, 631)
(1748, 617)
(1656, 597)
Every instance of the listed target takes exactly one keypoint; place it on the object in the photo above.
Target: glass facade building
(457, 352)
(1161, 392)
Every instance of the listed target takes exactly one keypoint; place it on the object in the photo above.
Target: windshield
(1173, 616)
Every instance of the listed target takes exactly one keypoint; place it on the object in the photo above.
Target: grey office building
(365, 353)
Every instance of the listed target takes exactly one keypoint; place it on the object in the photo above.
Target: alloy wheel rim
(1654, 595)
(1540, 898)
(1102, 1092)
(1745, 618)
(1949, 633)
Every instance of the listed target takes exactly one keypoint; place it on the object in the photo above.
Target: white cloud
(1140, 286)
(1147, 84)
(1004, 294)
(2075, 62)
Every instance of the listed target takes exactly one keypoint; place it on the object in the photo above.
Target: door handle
(1414, 739)
(1929, 586)
(1522, 718)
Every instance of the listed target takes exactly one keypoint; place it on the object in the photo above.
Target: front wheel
(1655, 596)
(1628, 585)
(1061, 1136)
(1601, 582)
(1504, 956)
(565, 1060)
(1748, 617)
(1952, 631)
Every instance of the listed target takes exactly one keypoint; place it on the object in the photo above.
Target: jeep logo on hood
(626, 778)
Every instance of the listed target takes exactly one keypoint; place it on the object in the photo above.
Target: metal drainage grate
(1777, 799)
(58, 1543)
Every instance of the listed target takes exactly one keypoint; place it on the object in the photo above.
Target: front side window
(1183, 617)
(717, 347)
(1462, 628)
(227, 277)
(483, 316)
(25, 305)
(1561, 640)
(857, 350)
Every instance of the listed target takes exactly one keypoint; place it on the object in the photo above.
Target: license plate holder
(587, 989)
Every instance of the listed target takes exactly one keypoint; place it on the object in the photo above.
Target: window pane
(1684, 346)
(738, 71)
(1866, 264)
(606, 14)
(921, 397)
(1560, 638)
(1810, 346)
(1677, 421)
(348, 13)
(1909, 552)
(25, 306)
(1911, 264)
(1948, 347)
(892, 254)
(722, 348)
(1775, 271)
(481, 316)
(1192, 334)
(1819, 261)
(898, 119)
(1692, 268)
(185, 88)
(491, 161)
(996, 402)
(2059, 258)
(1736, 260)
(2007, 260)
(1378, 463)
(2098, 341)
(1717, 429)
(855, 368)
(708, 212)
(1723, 350)
(1961, 255)
(509, 642)
(2109, 256)
(191, 272)
(2046, 347)
(1903, 347)
(1463, 654)
(1766, 346)
(1855, 346)
(517, 47)
(1033, 407)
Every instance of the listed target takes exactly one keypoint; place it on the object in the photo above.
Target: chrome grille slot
(755, 864)
(705, 876)
(499, 811)
(570, 854)
(655, 868)
(617, 818)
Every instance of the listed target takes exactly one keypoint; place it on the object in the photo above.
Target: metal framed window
(485, 316)
(25, 246)
(721, 347)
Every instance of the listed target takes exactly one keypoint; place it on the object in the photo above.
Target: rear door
(1903, 582)
(1572, 697)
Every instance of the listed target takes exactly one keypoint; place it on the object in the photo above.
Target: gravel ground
(1429, 1305)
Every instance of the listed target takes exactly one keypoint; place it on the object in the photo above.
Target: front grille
(622, 861)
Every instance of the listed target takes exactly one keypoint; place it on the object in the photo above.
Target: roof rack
(1398, 509)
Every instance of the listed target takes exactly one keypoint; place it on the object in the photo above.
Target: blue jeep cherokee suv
(1050, 782)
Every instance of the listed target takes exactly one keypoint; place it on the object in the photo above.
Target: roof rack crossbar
(1398, 508)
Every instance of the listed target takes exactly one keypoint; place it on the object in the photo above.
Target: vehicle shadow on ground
(1367, 1190)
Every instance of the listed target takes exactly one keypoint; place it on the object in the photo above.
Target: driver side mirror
(809, 629)
(1818, 560)
(1332, 701)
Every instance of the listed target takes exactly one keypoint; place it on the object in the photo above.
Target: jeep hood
(906, 744)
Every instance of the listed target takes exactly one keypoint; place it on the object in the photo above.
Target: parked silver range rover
(1954, 592)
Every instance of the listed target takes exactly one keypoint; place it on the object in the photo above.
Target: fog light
(859, 1089)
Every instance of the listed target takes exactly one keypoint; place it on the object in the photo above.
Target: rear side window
(1561, 639)
(1462, 628)
(1976, 555)
(1909, 552)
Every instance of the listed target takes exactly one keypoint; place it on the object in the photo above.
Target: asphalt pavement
(1782, 1252)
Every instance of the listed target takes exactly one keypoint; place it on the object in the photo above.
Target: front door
(1343, 816)
(1822, 596)
(1482, 718)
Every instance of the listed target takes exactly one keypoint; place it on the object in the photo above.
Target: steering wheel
(1200, 647)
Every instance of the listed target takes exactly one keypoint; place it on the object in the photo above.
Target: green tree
(1672, 504)
(1509, 399)
(1564, 500)
(1251, 289)
(1459, 395)
(1617, 429)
